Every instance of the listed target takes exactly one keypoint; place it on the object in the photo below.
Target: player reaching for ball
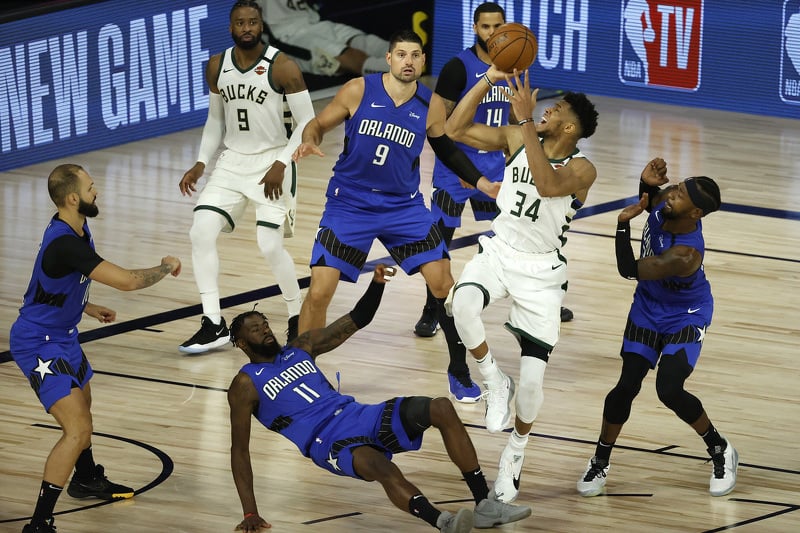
(668, 320)
(547, 179)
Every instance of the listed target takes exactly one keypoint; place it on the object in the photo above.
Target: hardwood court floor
(161, 417)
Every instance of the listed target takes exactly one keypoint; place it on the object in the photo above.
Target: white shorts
(328, 38)
(536, 284)
(234, 183)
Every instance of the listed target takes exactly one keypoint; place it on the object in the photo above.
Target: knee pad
(619, 400)
(467, 306)
(270, 241)
(206, 227)
(673, 371)
(530, 393)
(415, 415)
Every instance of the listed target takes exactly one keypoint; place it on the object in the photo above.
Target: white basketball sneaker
(593, 482)
(507, 485)
(498, 404)
(723, 475)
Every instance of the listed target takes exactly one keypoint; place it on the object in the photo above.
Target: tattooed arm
(123, 279)
(319, 341)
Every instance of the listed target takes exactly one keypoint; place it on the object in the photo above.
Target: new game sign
(661, 43)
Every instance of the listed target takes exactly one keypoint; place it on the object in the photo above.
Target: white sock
(490, 370)
(293, 305)
(211, 307)
(517, 442)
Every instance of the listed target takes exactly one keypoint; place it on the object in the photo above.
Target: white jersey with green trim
(527, 222)
(253, 106)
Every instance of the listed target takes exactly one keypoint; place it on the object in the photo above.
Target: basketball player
(245, 110)
(287, 392)
(449, 194)
(322, 47)
(44, 338)
(374, 191)
(547, 179)
(668, 320)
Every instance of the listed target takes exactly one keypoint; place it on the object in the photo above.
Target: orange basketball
(512, 46)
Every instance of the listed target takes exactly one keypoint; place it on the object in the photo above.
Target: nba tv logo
(660, 43)
(790, 53)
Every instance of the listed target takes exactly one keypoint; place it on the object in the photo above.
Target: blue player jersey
(676, 290)
(493, 111)
(56, 303)
(295, 398)
(383, 142)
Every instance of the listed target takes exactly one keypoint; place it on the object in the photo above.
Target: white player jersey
(253, 107)
(527, 222)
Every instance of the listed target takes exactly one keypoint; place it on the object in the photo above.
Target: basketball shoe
(498, 404)
(492, 512)
(506, 487)
(723, 475)
(593, 482)
(208, 337)
(461, 522)
(428, 323)
(463, 389)
(42, 527)
(98, 486)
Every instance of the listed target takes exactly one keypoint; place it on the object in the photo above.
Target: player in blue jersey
(285, 390)
(668, 320)
(374, 191)
(44, 338)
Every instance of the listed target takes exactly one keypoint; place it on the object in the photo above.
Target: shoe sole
(202, 349)
(466, 399)
(117, 496)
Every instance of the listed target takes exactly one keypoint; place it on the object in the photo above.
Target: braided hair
(238, 323)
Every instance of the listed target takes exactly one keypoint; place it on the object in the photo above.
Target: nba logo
(660, 43)
(790, 53)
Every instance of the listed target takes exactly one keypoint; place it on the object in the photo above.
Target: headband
(700, 199)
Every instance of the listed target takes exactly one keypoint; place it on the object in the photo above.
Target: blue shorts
(53, 363)
(354, 217)
(378, 426)
(655, 329)
(448, 205)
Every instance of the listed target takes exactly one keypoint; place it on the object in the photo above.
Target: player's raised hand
(655, 172)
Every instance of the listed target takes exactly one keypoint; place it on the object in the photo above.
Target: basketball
(512, 46)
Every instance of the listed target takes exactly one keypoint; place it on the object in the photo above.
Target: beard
(482, 44)
(246, 45)
(87, 209)
(269, 349)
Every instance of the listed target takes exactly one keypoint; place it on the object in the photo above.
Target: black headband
(700, 199)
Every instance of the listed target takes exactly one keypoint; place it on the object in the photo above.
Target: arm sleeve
(652, 192)
(626, 262)
(68, 254)
(302, 111)
(454, 159)
(213, 129)
(452, 80)
(364, 311)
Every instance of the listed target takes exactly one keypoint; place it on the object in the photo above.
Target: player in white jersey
(546, 180)
(247, 84)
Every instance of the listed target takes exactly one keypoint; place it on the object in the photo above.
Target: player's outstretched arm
(319, 341)
(243, 399)
(123, 279)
